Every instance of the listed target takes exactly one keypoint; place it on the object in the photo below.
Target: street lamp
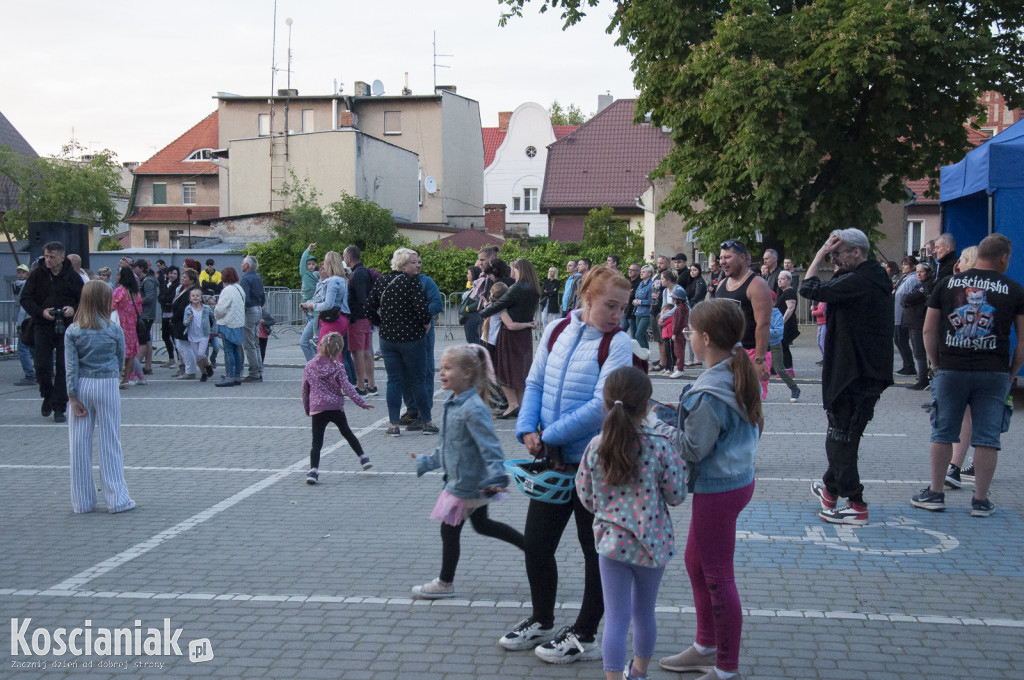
(188, 216)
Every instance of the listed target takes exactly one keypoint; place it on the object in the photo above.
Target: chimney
(503, 118)
(438, 89)
(361, 88)
(346, 119)
(604, 101)
(494, 219)
(405, 90)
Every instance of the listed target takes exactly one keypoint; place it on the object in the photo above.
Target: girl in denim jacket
(716, 432)
(628, 477)
(93, 356)
(472, 459)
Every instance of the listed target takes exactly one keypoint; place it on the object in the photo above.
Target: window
(307, 120)
(517, 203)
(529, 200)
(152, 238)
(915, 235)
(188, 193)
(174, 238)
(199, 155)
(264, 125)
(392, 122)
(159, 194)
(531, 151)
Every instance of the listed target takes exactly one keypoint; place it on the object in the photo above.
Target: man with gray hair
(858, 363)
(945, 255)
(252, 286)
(770, 259)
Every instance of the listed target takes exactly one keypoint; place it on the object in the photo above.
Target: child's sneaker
(953, 477)
(568, 647)
(929, 500)
(526, 634)
(794, 395)
(435, 590)
(313, 476)
(828, 501)
(365, 462)
(982, 508)
(852, 513)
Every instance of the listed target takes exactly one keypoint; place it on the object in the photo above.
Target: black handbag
(27, 335)
(330, 315)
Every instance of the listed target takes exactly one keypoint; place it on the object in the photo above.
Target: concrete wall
(512, 170)
(665, 236)
(463, 154)
(248, 184)
(388, 175)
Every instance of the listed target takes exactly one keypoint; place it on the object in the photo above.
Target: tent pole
(991, 214)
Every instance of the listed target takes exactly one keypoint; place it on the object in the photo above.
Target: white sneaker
(678, 374)
(526, 634)
(567, 648)
(435, 590)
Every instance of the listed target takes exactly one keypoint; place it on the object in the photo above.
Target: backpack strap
(558, 331)
(605, 346)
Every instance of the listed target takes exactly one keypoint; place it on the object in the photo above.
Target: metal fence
(8, 327)
(283, 305)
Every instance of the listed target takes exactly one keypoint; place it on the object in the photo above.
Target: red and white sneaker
(853, 513)
(828, 501)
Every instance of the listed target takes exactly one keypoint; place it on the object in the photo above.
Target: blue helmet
(538, 481)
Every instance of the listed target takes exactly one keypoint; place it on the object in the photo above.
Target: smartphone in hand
(663, 412)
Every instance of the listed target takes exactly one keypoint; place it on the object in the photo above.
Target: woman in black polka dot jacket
(398, 305)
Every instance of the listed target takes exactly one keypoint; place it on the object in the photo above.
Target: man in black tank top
(751, 293)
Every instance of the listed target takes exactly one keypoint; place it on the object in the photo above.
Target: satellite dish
(377, 88)
(430, 184)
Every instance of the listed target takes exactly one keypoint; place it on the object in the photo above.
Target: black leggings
(165, 333)
(483, 525)
(787, 354)
(545, 523)
(320, 421)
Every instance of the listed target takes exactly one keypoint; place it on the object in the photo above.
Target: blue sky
(132, 76)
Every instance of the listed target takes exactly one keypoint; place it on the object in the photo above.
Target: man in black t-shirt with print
(967, 337)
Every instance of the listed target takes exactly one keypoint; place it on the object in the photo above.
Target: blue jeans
(215, 347)
(642, 324)
(629, 325)
(307, 343)
(404, 363)
(428, 377)
(232, 360)
(25, 357)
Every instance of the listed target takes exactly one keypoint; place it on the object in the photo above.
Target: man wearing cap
(24, 351)
(52, 285)
(209, 279)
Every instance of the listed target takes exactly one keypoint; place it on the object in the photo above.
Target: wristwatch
(759, 360)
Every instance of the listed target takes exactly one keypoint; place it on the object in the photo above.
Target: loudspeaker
(75, 238)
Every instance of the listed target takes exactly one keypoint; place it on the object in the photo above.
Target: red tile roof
(172, 213)
(604, 162)
(919, 186)
(567, 228)
(170, 160)
(493, 137)
(470, 238)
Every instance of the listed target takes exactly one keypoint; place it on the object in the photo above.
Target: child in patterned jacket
(628, 477)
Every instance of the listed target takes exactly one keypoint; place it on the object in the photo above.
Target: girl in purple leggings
(719, 422)
(628, 477)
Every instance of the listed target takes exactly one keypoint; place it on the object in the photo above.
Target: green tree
(606, 234)
(60, 189)
(794, 117)
(571, 115)
(363, 223)
(108, 242)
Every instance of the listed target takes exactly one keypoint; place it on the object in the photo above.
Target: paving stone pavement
(287, 580)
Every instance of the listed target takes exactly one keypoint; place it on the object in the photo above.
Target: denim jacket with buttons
(469, 452)
(92, 353)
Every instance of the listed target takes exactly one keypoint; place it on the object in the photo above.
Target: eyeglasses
(836, 253)
(735, 245)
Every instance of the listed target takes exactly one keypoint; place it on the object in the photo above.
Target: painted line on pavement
(892, 617)
(74, 582)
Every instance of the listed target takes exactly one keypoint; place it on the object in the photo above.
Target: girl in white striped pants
(93, 356)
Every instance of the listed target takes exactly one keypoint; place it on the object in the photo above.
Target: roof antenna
(436, 65)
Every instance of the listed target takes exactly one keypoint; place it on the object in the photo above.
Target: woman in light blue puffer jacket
(563, 409)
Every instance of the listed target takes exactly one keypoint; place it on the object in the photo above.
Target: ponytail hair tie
(618, 402)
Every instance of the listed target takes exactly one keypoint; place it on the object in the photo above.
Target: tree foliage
(605, 233)
(108, 242)
(60, 189)
(794, 117)
(570, 115)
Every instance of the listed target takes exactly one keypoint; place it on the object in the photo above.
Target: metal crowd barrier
(8, 327)
(283, 305)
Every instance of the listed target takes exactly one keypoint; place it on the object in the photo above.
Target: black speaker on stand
(74, 236)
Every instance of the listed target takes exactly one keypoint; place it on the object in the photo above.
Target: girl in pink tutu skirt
(472, 460)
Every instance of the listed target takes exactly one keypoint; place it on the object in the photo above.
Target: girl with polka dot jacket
(628, 477)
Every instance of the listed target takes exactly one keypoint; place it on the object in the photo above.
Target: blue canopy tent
(984, 194)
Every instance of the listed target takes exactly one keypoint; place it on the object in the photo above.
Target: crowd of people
(599, 451)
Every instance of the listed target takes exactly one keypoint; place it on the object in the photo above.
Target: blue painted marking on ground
(899, 537)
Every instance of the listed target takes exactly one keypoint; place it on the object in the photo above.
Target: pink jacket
(324, 386)
(818, 312)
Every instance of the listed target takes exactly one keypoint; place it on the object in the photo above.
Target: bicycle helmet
(538, 481)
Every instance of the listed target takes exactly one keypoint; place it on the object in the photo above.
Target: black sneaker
(372, 390)
(919, 386)
(794, 395)
(313, 476)
(408, 417)
(360, 391)
(982, 508)
(568, 647)
(967, 473)
(953, 477)
(430, 429)
(906, 370)
(414, 426)
(58, 417)
(45, 410)
(929, 500)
